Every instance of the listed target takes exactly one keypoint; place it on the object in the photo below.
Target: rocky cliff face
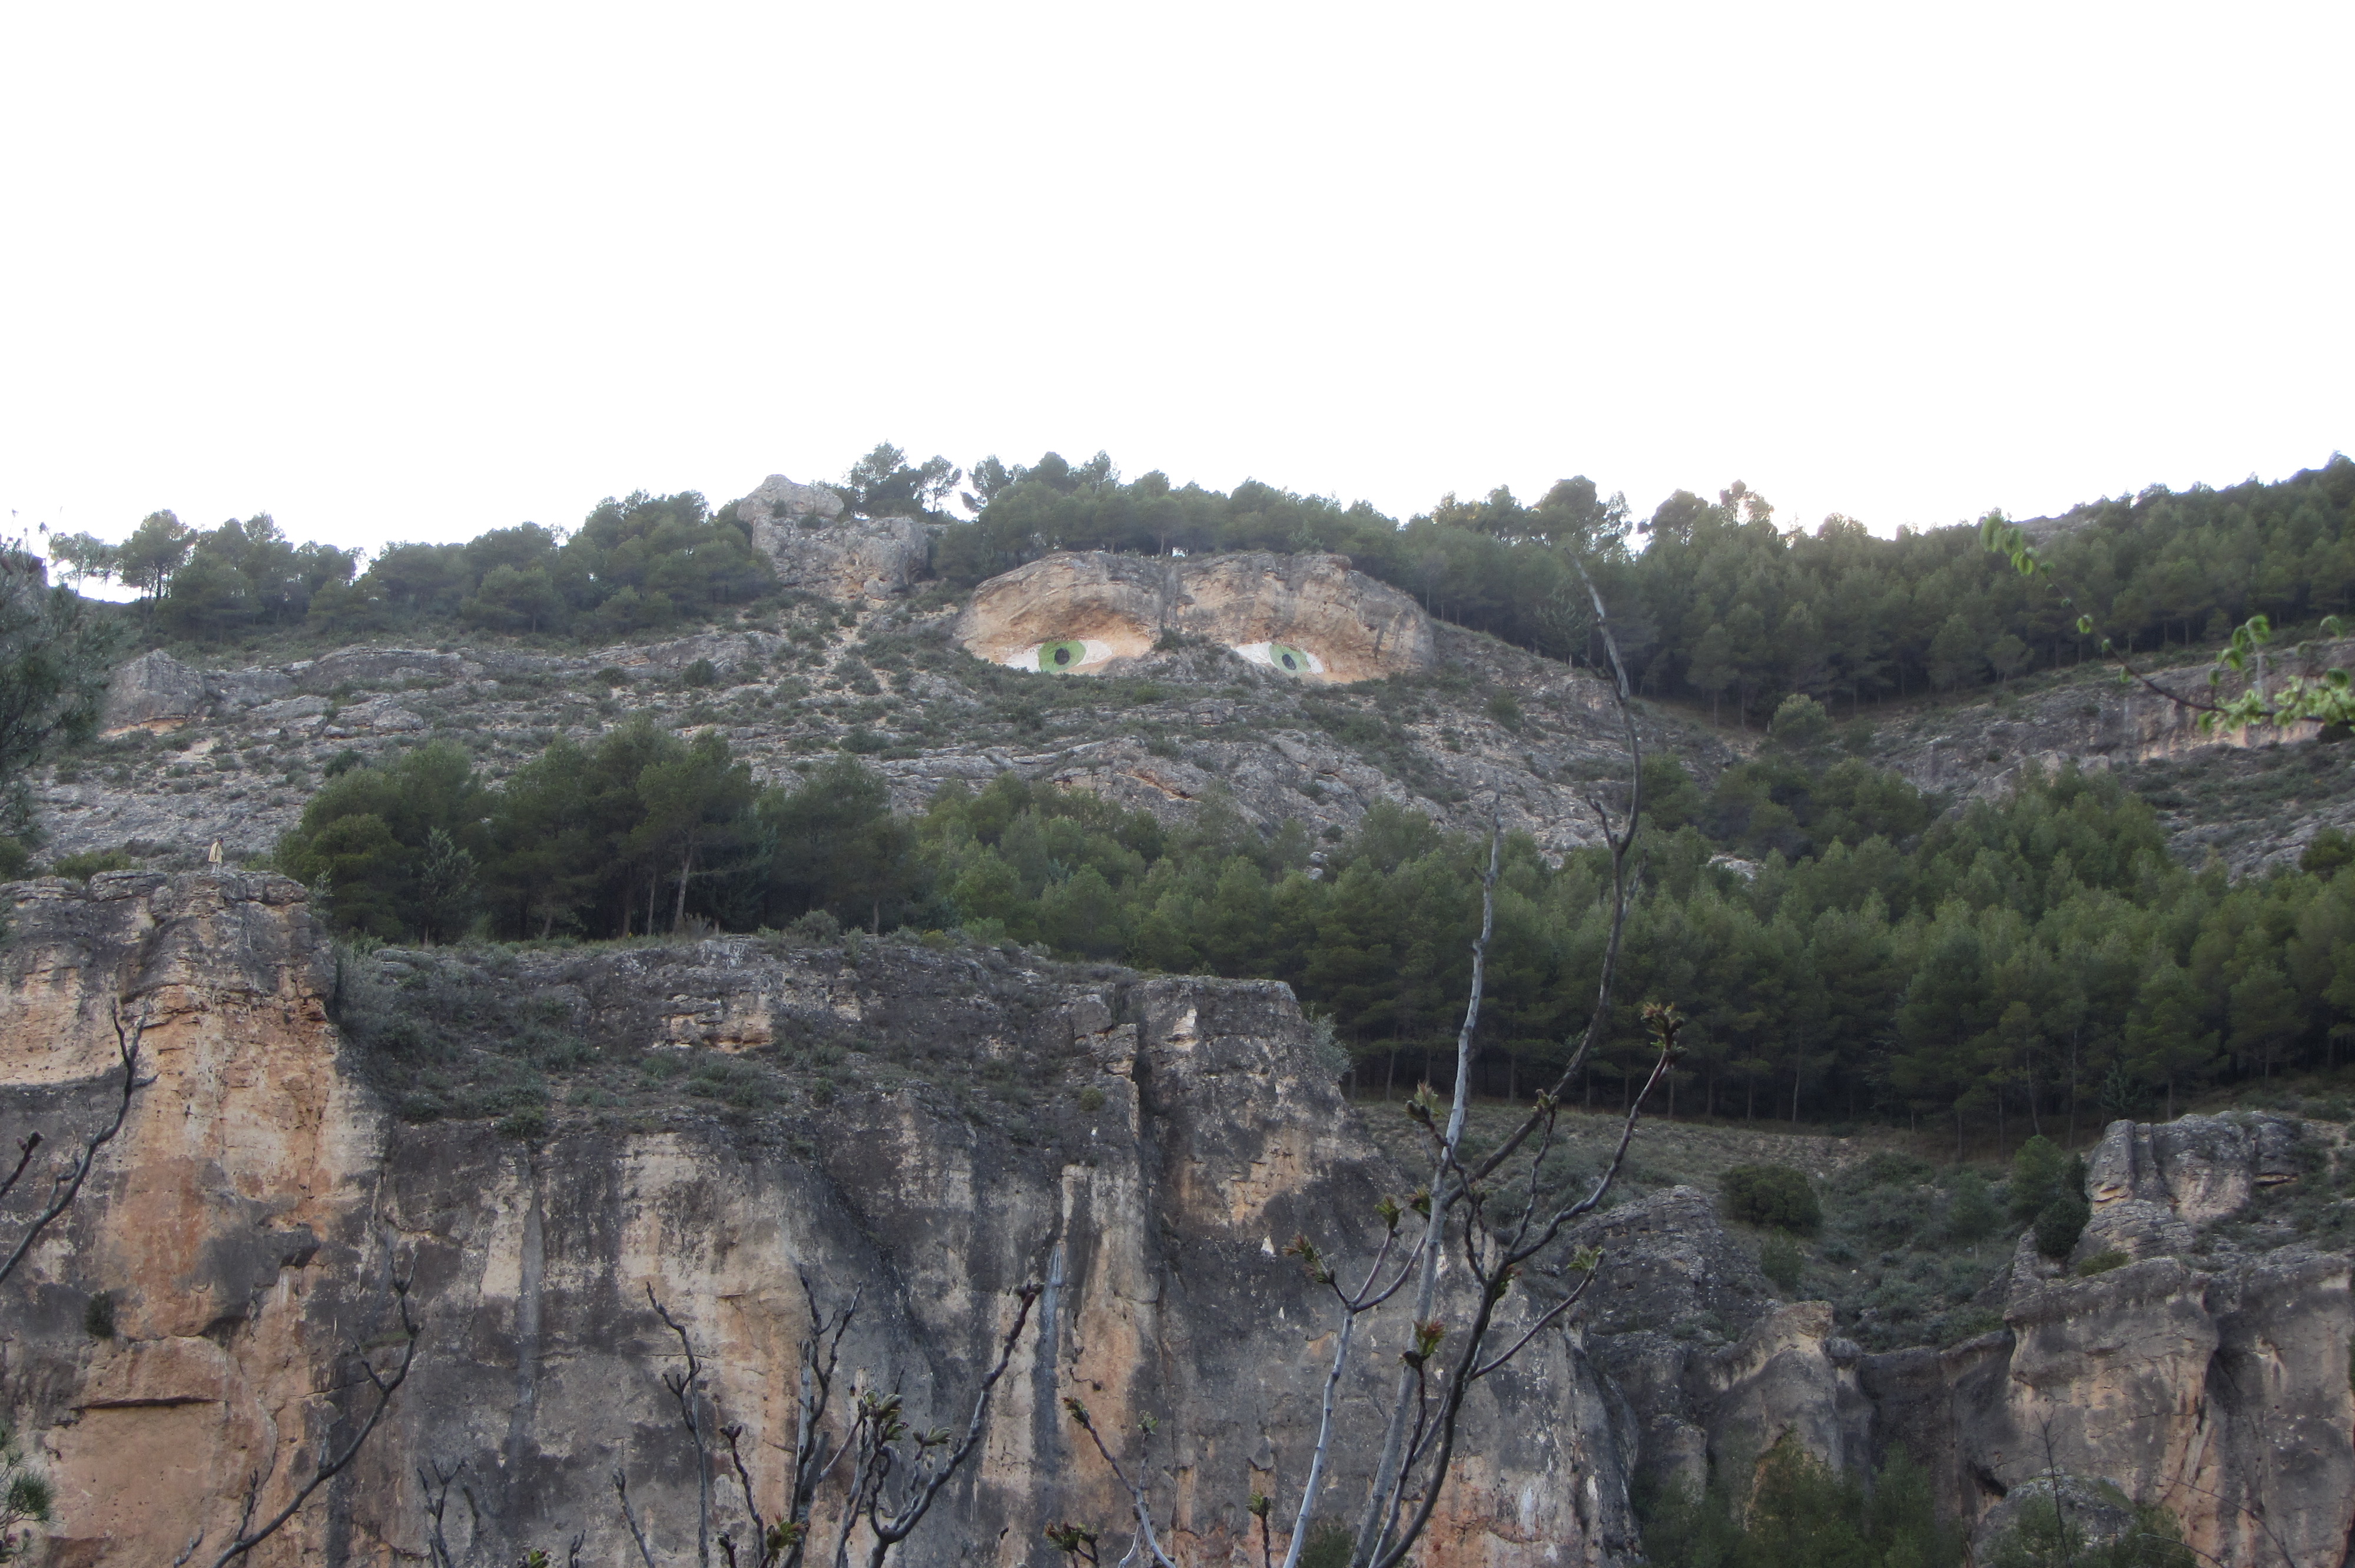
(2086, 718)
(262, 1193)
(2205, 1377)
(1140, 1147)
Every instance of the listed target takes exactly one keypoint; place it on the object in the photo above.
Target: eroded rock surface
(818, 550)
(261, 1192)
(247, 1221)
(1271, 746)
(2200, 1167)
(2222, 1396)
(1352, 627)
(2212, 1383)
(157, 689)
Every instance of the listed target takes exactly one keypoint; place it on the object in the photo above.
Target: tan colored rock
(2222, 1397)
(1790, 1377)
(259, 1193)
(1350, 626)
(243, 1165)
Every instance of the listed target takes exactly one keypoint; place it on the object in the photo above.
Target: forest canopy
(1712, 601)
(638, 563)
(1716, 600)
(2038, 963)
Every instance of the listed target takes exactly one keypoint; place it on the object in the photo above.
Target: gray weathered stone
(777, 499)
(2201, 1168)
(818, 550)
(154, 687)
(2093, 1512)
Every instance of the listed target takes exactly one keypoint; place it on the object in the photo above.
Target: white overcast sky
(415, 272)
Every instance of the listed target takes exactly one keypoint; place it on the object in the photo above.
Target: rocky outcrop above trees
(200, 754)
(1352, 627)
(816, 549)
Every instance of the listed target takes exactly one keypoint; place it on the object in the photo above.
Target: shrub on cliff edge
(1774, 1196)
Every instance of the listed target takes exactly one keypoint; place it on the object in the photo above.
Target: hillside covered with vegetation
(1713, 601)
(1848, 945)
(1845, 951)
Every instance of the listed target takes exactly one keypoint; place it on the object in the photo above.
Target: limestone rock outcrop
(2214, 1384)
(1791, 1378)
(2222, 1396)
(2201, 1167)
(1676, 1288)
(263, 1194)
(157, 690)
(1350, 626)
(816, 549)
(777, 499)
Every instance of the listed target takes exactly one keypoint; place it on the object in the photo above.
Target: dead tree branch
(687, 1388)
(386, 1385)
(66, 1185)
(881, 1445)
(1422, 1418)
(933, 1460)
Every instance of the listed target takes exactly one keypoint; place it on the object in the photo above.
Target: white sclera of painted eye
(1283, 656)
(1061, 656)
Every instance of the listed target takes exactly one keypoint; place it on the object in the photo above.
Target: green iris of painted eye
(1066, 655)
(1291, 660)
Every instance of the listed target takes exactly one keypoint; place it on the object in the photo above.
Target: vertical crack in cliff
(532, 1271)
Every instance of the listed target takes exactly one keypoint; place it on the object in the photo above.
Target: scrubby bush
(2063, 1220)
(702, 672)
(1889, 1168)
(1795, 1510)
(2046, 1535)
(2036, 1171)
(817, 928)
(26, 1496)
(736, 1082)
(1773, 1195)
(89, 863)
(1327, 1545)
(1971, 1212)
(524, 1122)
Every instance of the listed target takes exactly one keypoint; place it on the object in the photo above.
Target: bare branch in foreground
(68, 1184)
(386, 1385)
(1421, 1419)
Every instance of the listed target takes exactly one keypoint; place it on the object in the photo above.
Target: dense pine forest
(1716, 600)
(2035, 965)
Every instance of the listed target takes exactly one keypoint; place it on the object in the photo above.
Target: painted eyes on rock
(1061, 657)
(1283, 656)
